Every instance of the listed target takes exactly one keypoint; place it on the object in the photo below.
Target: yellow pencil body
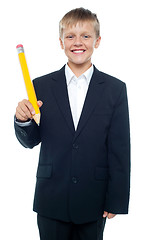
(28, 83)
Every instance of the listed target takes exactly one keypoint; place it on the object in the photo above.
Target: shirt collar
(70, 75)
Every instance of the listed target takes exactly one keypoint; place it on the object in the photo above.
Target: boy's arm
(29, 135)
(117, 197)
(26, 132)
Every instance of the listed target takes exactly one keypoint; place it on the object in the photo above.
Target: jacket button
(74, 180)
(75, 146)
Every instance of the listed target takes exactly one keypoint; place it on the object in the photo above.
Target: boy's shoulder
(48, 76)
(109, 79)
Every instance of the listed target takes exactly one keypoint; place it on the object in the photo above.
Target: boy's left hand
(108, 215)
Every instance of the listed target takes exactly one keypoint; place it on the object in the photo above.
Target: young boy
(83, 173)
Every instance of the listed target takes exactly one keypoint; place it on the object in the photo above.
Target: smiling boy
(83, 174)
(78, 42)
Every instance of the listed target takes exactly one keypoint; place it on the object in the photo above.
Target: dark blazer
(84, 172)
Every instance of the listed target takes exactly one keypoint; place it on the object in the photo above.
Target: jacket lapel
(93, 95)
(61, 95)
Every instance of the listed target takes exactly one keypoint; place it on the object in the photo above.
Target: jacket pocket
(101, 173)
(44, 171)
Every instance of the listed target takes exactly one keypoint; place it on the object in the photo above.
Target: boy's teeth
(78, 51)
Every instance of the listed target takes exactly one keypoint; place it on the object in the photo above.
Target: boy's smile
(78, 43)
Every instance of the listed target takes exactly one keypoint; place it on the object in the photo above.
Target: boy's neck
(79, 69)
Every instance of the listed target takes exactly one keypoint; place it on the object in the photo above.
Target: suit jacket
(84, 172)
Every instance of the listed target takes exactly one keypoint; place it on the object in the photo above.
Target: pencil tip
(36, 118)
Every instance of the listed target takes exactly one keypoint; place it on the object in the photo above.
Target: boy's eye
(70, 36)
(86, 36)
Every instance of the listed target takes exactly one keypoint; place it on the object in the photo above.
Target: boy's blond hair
(79, 15)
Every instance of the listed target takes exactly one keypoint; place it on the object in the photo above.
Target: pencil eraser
(19, 45)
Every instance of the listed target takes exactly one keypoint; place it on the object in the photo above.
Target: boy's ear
(61, 43)
(97, 42)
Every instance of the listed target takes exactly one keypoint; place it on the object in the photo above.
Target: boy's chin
(79, 63)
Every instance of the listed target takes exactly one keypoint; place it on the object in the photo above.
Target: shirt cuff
(23, 124)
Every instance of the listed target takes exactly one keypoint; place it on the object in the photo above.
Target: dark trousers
(50, 229)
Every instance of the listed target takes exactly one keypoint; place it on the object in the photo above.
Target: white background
(130, 51)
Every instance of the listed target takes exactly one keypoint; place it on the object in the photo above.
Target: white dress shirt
(77, 90)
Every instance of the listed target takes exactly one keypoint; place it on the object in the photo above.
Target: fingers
(108, 215)
(24, 110)
(111, 215)
(40, 103)
(105, 214)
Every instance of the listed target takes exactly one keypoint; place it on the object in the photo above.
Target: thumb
(40, 103)
(105, 214)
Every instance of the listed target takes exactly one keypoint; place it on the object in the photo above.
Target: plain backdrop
(130, 51)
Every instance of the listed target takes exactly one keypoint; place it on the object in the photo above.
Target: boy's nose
(78, 41)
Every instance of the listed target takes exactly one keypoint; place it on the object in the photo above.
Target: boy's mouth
(76, 51)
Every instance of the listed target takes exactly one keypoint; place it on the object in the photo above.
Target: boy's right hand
(25, 110)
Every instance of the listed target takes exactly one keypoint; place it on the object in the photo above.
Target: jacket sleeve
(28, 136)
(117, 197)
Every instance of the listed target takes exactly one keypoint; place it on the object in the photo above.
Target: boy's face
(79, 42)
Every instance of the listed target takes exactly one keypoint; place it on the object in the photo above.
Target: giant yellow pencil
(28, 83)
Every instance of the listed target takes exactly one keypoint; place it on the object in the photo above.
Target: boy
(83, 174)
